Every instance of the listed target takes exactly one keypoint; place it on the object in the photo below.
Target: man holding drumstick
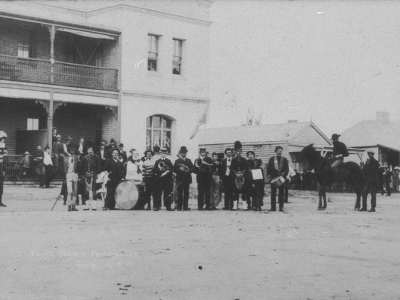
(277, 166)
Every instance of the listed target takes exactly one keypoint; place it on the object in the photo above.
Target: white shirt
(47, 159)
(80, 148)
(228, 164)
(102, 153)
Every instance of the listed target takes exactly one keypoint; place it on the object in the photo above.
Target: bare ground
(303, 254)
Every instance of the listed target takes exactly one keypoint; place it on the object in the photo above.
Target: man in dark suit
(90, 169)
(203, 179)
(183, 167)
(227, 179)
(103, 154)
(115, 169)
(238, 172)
(277, 166)
(163, 179)
(111, 146)
(370, 171)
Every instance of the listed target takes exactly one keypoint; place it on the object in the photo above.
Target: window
(69, 54)
(32, 124)
(177, 57)
(158, 133)
(152, 53)
(25, 43)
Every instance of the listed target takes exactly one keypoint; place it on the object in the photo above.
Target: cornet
(163, 166)
(184, 168)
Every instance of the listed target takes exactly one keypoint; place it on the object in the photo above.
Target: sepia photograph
(199, 149)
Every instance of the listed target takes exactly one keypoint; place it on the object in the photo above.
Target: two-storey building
(135, 71)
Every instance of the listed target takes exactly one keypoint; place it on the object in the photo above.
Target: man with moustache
(114, 168)
(227, 179)
(277, 166)
(183, 167)
(163, 179)
(90, 169)
(238, 173)
(370, 171)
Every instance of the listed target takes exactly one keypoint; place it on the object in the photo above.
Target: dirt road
(303, 254)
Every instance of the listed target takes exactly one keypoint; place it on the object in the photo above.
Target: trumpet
(184, 168)
(163, 166)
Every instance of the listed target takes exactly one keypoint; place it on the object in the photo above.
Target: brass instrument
(200, 162)
(163, 166)
(184, 168)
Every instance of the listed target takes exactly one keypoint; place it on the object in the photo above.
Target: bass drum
(130, 195)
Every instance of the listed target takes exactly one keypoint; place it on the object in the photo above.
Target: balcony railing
(65, 74)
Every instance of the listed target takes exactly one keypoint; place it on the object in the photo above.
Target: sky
(332, 62)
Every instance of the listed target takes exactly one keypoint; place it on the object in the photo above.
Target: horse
(349, 172)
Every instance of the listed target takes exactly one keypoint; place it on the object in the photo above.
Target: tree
(251, 118)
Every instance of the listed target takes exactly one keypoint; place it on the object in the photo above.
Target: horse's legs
(320, 197)
(324, 195)
(358, 201)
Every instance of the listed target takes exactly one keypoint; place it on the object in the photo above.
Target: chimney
(382, 117)
(292, 121)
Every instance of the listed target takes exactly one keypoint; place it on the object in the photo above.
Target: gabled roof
(282, 132)
(369, 133)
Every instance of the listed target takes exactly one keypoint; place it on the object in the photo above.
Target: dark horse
(349, 172)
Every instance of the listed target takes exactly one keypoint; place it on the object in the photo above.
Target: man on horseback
(339, 152)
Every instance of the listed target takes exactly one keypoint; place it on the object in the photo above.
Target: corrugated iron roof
(369, 133)
(253, 134)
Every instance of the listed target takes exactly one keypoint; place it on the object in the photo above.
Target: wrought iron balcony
(65, 74)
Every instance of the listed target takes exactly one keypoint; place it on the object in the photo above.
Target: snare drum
(130, 195)
(278, 181)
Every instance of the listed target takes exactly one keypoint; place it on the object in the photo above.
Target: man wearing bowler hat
(238, 167)
(370, 171)
(227, 179)
(277, 166)
(115, 169)
(183, 167)
(163, 176)
(339, 152)
(203, 179)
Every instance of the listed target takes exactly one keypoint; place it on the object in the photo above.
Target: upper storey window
(152, 52)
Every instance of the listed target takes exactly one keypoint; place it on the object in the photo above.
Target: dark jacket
(116, 170)
(106, 154)
(58, 148)
(217, 169)
(203, 174)
(370, 171)
(340, 148)
(182, 175)
(238, 164)
(90, 163)
(157, 172)
(272, 172)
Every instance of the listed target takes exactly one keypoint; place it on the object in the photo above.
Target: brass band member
(3, 150)
(163, 173)
(148, 178)
(238, 170)
(183, 167)
(203, 170)
(227, 179)
(91, 168)
(256, 184)
(277, 166)
(216, 183)
(114, 168)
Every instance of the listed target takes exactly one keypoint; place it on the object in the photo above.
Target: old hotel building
(135, 71)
